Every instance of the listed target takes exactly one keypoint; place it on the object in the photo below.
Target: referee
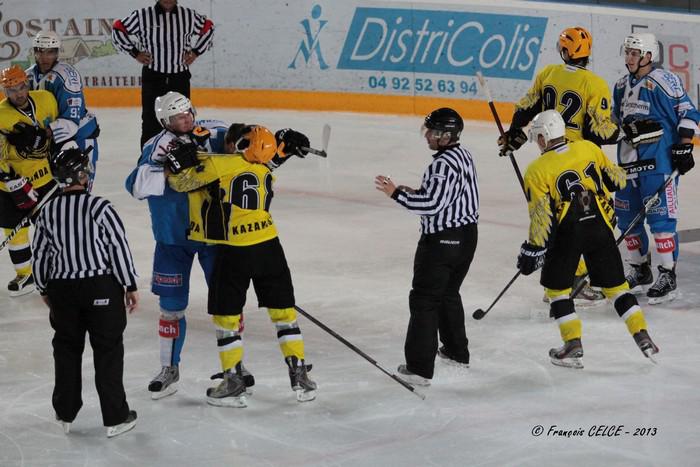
(448, 203)
(164, 48)
(82, 267)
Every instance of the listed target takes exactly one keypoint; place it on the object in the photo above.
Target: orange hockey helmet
(12, 76)
(262, 145)
(576, 41)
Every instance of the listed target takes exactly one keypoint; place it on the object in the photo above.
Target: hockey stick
(324, 142)
(640, 215)
(485, 87)
(479, 313)
(29, 216)
(360, 352)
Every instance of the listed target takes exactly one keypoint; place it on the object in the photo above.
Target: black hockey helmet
(69, 164)
(445, 119)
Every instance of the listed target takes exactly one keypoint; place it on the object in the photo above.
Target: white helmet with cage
(46, 40)
(171, 104)
(644, 42)
(549, 124)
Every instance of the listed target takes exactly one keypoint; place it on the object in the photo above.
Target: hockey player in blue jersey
(652, 93)
(74, 122)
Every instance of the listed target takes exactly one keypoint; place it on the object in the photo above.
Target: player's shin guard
(228, 340)
(562, 308)
(627, 308)
(666, 248)
(288, 333)
(172, 329)
(20, 251)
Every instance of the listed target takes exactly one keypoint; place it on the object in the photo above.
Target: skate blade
(666, 298)
(574, 362)
(305, 396)
(18, 293)
(586, 303)
(172, 389)
(649, 353)
(237, 402)
(65, 426)
(453, 363)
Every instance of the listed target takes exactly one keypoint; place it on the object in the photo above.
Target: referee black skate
(88, 287)
(448, 203)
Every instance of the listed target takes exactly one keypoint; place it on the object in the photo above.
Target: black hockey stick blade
(318, 152)
(478, 314)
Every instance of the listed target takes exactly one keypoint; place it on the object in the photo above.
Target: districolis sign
(443, 42)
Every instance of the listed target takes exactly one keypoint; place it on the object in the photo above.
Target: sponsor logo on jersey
(101, 302)
(250, 227)
(657, 207)
(635, 107)
(167, 280)
(622, 204)
(42, 172)
(639, 166)
(74, 101)
(443, 42)
(671, 201)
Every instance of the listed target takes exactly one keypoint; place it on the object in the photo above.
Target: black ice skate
(664, 289)
(299, 379)
(451, 359)
(568, 355)
(247, 376)
(123, 427)
(22, 284)
(231, 392)
(588, 296)
(639, 276)
(646, 345)
(411, 378)
(165, 382)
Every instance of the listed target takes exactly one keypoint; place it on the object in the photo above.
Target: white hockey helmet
(171, 104)
(46, 40)
(549, 124)
(644, 42)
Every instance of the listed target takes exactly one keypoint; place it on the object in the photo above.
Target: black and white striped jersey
(165, 35)
(449, 193)
(79, 235)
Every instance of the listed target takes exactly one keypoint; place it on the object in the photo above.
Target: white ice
(350, 249)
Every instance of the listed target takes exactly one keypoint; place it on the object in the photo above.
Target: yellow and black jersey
(229, 200)
(554, 179)
(35, 165)
(579, 95)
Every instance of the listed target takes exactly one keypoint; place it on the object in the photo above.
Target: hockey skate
(248, 378)
(123, 427)
(640, 276)
(22, 284)
(165, 383)
(299, 379)
(588, 296)
(450, 359)
(231, 392)
(664, 289)
(568, 355)
(646, 345)
(410, 377)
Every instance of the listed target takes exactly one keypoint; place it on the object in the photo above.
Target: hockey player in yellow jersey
(229, 199)
(568, 189)
(25, 176)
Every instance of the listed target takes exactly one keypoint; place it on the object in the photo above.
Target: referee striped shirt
(77, 236)
(449, 193)
(165, 35)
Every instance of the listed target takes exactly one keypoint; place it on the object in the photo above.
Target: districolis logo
(444, 42)
(310, 45)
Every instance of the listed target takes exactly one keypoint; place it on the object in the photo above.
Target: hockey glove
(27, 138)
(682, 157)
(200, 135)
(514, 139)
(22, 192)
(292, 142)
(531, 258)
(642, 132)
(181, 157)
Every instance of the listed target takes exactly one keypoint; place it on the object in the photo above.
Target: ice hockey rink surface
(350, 249)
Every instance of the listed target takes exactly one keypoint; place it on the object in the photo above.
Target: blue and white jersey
(659, 96)
(74, 122)
(169, 209)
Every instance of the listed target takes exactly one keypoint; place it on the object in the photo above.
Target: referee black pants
(441, 263)
(94, 305)
(153, 85)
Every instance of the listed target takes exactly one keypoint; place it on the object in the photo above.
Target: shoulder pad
(210, 123)
(669, 82)
(69, 75)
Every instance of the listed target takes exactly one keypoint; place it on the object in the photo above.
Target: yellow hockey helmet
(12, 76)
(262, 145)
(576, 41)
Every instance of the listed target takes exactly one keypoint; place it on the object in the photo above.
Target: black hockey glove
(27, 138)
(200, 135)
(642, 132)
(292, 142)
(531, 258)
(682, 157)
(514, 139)
(22, 192)
(181, 157)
